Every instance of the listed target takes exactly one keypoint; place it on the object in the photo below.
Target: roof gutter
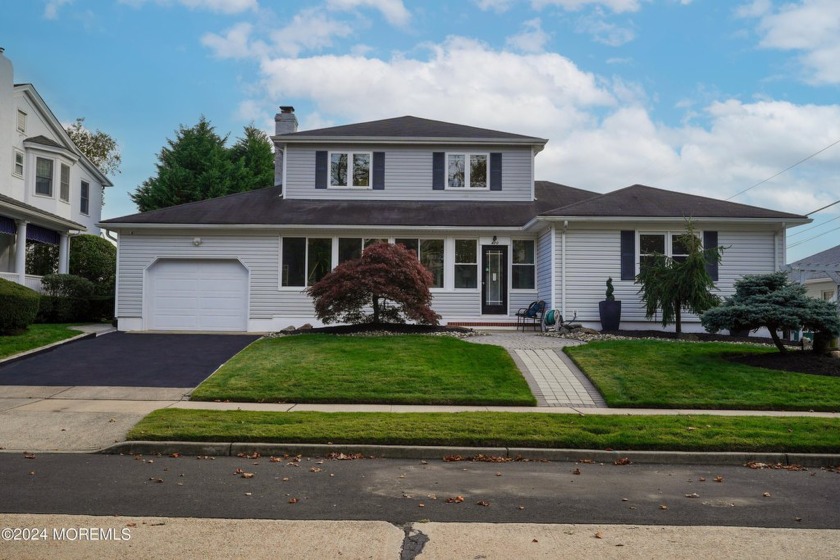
(278, 227)
(788, 222)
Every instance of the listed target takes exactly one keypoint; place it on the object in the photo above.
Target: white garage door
(198, 295)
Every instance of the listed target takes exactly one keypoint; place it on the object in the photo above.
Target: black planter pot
(610, 314)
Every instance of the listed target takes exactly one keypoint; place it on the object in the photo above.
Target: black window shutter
(321, 169)
(628, 255)
(496, 171)
(438, 171)
(378, 170)
(710, 241)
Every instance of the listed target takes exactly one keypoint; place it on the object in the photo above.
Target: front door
(494, 280)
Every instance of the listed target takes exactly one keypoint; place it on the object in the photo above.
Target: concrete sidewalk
(165, 538)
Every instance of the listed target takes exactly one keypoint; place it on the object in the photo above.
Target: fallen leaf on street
(598, 535)
(293, 500)
(663, 506)
(622, 461)
(718, 479)
(455, 500)
(766, 494)
(484, 503)
(692, 495)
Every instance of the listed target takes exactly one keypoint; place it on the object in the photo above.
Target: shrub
(387, 279)
(94, 258)
(66, 299)
(774, 302)
(18, 306)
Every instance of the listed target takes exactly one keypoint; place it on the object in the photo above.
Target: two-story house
(49, 190)
(464, 198)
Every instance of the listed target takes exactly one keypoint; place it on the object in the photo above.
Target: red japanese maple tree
(387, 284)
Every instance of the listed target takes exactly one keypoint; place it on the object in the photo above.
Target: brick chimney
(285, 122)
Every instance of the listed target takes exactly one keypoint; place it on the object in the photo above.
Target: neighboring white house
(820, 273)
(463, 197)
(48, 189)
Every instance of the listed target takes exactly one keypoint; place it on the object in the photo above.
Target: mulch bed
(704, 337)
(395, 328)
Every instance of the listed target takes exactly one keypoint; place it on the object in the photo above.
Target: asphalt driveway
(128, 360)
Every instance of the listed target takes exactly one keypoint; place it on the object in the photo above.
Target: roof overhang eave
(118, 226)
(786, 222)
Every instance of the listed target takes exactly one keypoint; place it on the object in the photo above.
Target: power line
(813, 227)
(784, 170)
(812, 238)
(823, 208)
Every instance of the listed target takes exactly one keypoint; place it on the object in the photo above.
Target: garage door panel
(198, 295)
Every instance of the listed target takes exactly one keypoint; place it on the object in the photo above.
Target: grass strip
(407, 369)
(35, 336)
(668, 374)
(498, 429)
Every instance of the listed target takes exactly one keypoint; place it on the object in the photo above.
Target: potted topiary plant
(610, 309)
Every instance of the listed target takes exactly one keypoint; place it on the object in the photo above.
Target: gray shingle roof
(44, 141)
(829, 257)
(648, 202)
(410, 128)
(265, 207)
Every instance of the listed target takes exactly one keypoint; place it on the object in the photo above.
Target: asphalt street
(406, 491)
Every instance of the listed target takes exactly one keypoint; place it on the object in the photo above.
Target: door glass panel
(493, 278)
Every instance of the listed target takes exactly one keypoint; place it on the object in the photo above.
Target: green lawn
(498, 429)
(34, 337)
(667, 374)
(386, 369)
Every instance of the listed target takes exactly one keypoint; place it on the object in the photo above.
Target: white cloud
(532, 39)
(617, 6)
(235, 43)
(310, 29)
(53, 6)
(393, 10)
(498, 6)
(811, 27)
(603, 31)
(218, 6)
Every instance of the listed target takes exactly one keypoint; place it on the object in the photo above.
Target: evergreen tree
(774, 302)
(670, 285)
(196, 165)
(253, 151)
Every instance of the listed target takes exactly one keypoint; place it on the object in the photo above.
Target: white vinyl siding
(593, 255)
(408, 175)
(544, 278)
(257, 252)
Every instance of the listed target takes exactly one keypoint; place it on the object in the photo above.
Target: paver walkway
(554, 379)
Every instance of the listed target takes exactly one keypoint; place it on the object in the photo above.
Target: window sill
(467, 189)
(39, 195)
(331, 188)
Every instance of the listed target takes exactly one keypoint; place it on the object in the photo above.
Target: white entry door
(197, 295)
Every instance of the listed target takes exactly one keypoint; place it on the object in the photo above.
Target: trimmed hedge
(18, 306)
(68, 299)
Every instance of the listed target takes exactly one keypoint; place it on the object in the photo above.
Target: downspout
(553, 271)
(563, 271)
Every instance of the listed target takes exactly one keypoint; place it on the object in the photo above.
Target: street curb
(233, 449)
(47, 348)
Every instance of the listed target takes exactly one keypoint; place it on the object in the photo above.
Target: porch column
(20, 252)
(63, 253)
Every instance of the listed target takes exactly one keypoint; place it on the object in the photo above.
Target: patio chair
(533, 314)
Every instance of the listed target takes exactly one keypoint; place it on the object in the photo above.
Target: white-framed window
(17, 163)
(828, 295)
(523, 265)
(43, 176)
(467, 171)
(350, 170)
(21, 121)
(64, 182)
(466, 264)
(349, 248)
(431, 255)
(305, 260)
(84, 198)
(666, 244)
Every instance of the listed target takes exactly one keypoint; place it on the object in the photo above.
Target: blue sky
(699, 96)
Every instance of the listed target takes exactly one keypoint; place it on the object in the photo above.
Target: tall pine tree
(197, 165)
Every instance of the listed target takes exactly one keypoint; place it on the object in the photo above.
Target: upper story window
(350, 169)
(21, 121)
(523, 265)
(64, 183)
(44, 176)
(84, 199)
(466, 171)
(17, 164)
